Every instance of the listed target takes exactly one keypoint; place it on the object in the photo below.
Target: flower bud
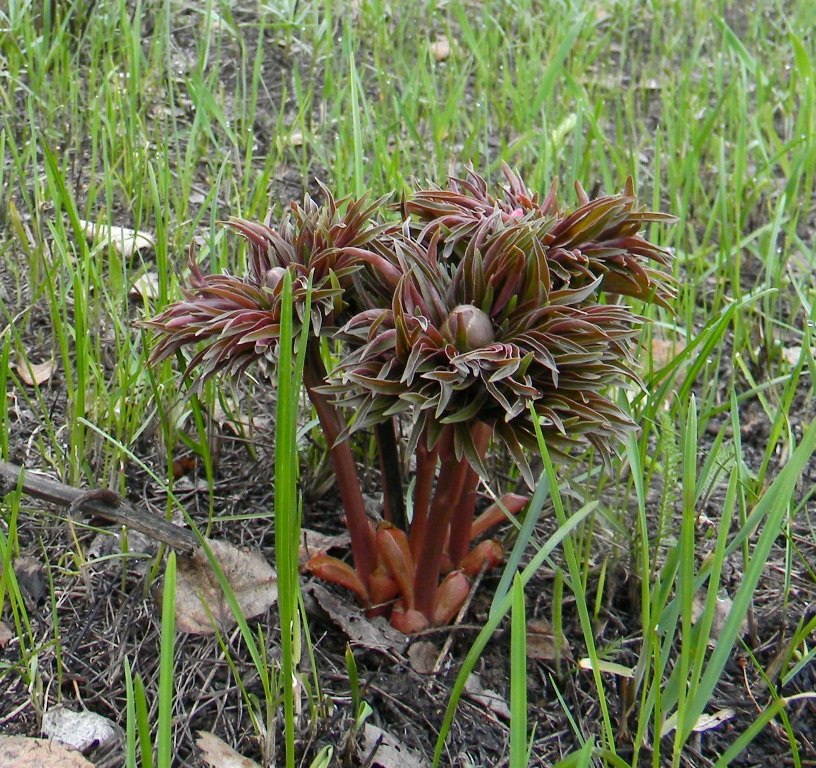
(273, 277)
(468, 328)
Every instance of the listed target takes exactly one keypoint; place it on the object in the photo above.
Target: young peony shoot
(453, 322)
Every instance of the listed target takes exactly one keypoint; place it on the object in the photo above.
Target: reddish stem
(332, 423)
(425, 469)
(462, 520)
(391, 474)
(452, 475)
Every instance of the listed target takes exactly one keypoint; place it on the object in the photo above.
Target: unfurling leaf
(487, 554)
(450, 597)
(395, 551)
(336, 571)
(509, 504)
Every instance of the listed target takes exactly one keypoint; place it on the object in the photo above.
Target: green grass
(169, 117)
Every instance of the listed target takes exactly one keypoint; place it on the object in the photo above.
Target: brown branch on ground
(99, 503)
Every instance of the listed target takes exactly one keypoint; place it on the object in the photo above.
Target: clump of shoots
(459, 321)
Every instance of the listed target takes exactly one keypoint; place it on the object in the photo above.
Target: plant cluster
(463, 321)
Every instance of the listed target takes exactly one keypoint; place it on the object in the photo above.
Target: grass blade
(518, 677)
(164, 735)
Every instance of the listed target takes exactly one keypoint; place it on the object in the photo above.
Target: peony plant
(454, 319)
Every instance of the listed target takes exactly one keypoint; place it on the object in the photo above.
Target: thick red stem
(425, 470)
(462, 520)
(452, 475)
(332, 423)
(391, 474)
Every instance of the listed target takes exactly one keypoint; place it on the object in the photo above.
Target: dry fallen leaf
(6, 634)
(722, 609)
(219, 754)
(22, 752)
(252, 579)
(541, 642)
(375, 634)
(105, 551)
(602, 13)
(30, 574)
(146, 286)
(709, 722)
(390, 752)
(35, 373)
(610, 667)
(292, 138)
(487, 698)
(232, 419)
(126, 241)
(422, 656)
(441, 48)
(664, 351)
(704, 722)
(791, 355)
(79, 730)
